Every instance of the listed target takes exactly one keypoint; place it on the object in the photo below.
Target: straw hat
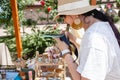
(74, 7)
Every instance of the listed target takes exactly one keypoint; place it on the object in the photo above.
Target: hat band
(73, 5)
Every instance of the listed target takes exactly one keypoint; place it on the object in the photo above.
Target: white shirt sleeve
(93, 58)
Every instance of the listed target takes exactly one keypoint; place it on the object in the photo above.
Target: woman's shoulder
(98, 28)
(99, 25)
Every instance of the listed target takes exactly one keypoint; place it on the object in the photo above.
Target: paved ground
(28, 30)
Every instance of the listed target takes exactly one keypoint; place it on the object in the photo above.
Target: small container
(0, 76)
(3, 74)
(40, 59)
(30, 75)
(55, 60)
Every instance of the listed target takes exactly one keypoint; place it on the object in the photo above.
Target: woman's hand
(52, 51)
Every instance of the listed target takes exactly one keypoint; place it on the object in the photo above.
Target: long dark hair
(103, 17)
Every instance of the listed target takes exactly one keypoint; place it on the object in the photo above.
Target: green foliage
(37, 42)
(51, 30)
(33, 43)
(116, 18)
(29, 22)
(52, 4)
(5, 13)
(118, 3)
(30, 42)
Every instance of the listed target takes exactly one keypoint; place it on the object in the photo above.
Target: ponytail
(115, 30)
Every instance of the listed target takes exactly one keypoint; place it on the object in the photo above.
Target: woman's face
(70, 19)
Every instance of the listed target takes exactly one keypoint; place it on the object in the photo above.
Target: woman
(99, 50)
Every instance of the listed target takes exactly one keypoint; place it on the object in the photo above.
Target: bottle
(37, 55)
(18, 61)
(0, 76)
(3, 74)
(30, 75)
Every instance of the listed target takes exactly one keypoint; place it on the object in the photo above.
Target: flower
(42, 2)
(49, 9)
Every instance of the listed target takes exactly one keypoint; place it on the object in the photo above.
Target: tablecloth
(5, 58)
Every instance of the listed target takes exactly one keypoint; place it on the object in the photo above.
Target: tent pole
(16, 27)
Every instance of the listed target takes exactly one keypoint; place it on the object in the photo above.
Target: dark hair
(103, 17)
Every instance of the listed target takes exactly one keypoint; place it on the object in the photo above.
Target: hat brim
(77, 11)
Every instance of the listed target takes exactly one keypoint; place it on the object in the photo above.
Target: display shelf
(51, 70)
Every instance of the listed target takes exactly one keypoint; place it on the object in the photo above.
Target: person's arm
(72, 66)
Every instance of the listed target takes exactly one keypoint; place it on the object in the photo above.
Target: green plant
(32, 42)
(5, 13)
(118, 3)
(116, 18)
(48, 29)
(37, 42)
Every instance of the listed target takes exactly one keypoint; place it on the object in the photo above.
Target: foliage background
(30, 42)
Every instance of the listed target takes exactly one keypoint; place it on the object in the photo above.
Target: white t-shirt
(99, 53)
